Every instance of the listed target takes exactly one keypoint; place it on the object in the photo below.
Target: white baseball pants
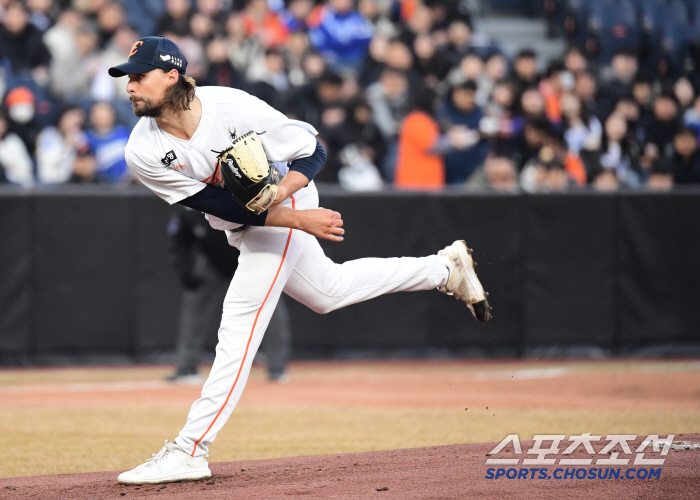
(274, 260)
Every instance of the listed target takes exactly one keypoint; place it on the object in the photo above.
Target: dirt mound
(443, 472)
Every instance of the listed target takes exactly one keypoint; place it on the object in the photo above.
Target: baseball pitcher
(250, 170)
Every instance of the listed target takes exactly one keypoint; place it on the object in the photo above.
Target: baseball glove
(247, 173)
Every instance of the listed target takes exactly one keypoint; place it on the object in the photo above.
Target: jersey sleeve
(284, 139)
(163, 181)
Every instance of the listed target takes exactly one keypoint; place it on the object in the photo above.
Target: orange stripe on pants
(250, 338)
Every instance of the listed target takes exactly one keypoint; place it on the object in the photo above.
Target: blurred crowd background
(404, 93)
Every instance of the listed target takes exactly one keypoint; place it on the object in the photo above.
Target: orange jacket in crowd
(575, 168)
(416, 167)
(271, 30)
(552, 102)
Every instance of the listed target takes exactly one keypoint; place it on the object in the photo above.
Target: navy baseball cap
(151, 52)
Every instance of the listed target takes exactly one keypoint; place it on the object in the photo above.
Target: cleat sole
(481, 310)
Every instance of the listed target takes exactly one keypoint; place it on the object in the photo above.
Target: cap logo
(170, 59)
(135, 48)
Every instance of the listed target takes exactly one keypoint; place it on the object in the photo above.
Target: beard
(148, 107)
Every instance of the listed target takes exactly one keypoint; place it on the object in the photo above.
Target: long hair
(180, 95)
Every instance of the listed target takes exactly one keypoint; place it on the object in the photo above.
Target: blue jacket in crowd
(109, 153)
(342, 38)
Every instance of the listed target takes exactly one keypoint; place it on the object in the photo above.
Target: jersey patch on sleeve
(169, 157)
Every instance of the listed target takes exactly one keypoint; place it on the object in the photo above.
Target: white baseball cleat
(463, 283)
(169, 465)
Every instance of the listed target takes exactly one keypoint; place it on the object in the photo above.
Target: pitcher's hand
(322, 223)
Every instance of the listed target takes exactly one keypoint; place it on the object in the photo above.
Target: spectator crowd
(402, 92)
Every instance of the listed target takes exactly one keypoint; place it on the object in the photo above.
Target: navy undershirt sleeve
(220, 202)
(311, 165)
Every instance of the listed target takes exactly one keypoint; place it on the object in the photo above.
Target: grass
(84, 439)
(341, 369)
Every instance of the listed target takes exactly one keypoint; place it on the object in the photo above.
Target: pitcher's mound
(442, 472)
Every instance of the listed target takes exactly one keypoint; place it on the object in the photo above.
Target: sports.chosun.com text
(574, 473)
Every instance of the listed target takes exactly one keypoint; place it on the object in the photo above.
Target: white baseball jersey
(175, 169)
(272, 259)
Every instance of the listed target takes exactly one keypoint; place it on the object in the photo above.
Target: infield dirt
(440, 472)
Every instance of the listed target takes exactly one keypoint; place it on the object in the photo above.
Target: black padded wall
(570, 269)
(15, 273)
(156, 291)
(81, 283)
(89, 270)
(660, 268)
